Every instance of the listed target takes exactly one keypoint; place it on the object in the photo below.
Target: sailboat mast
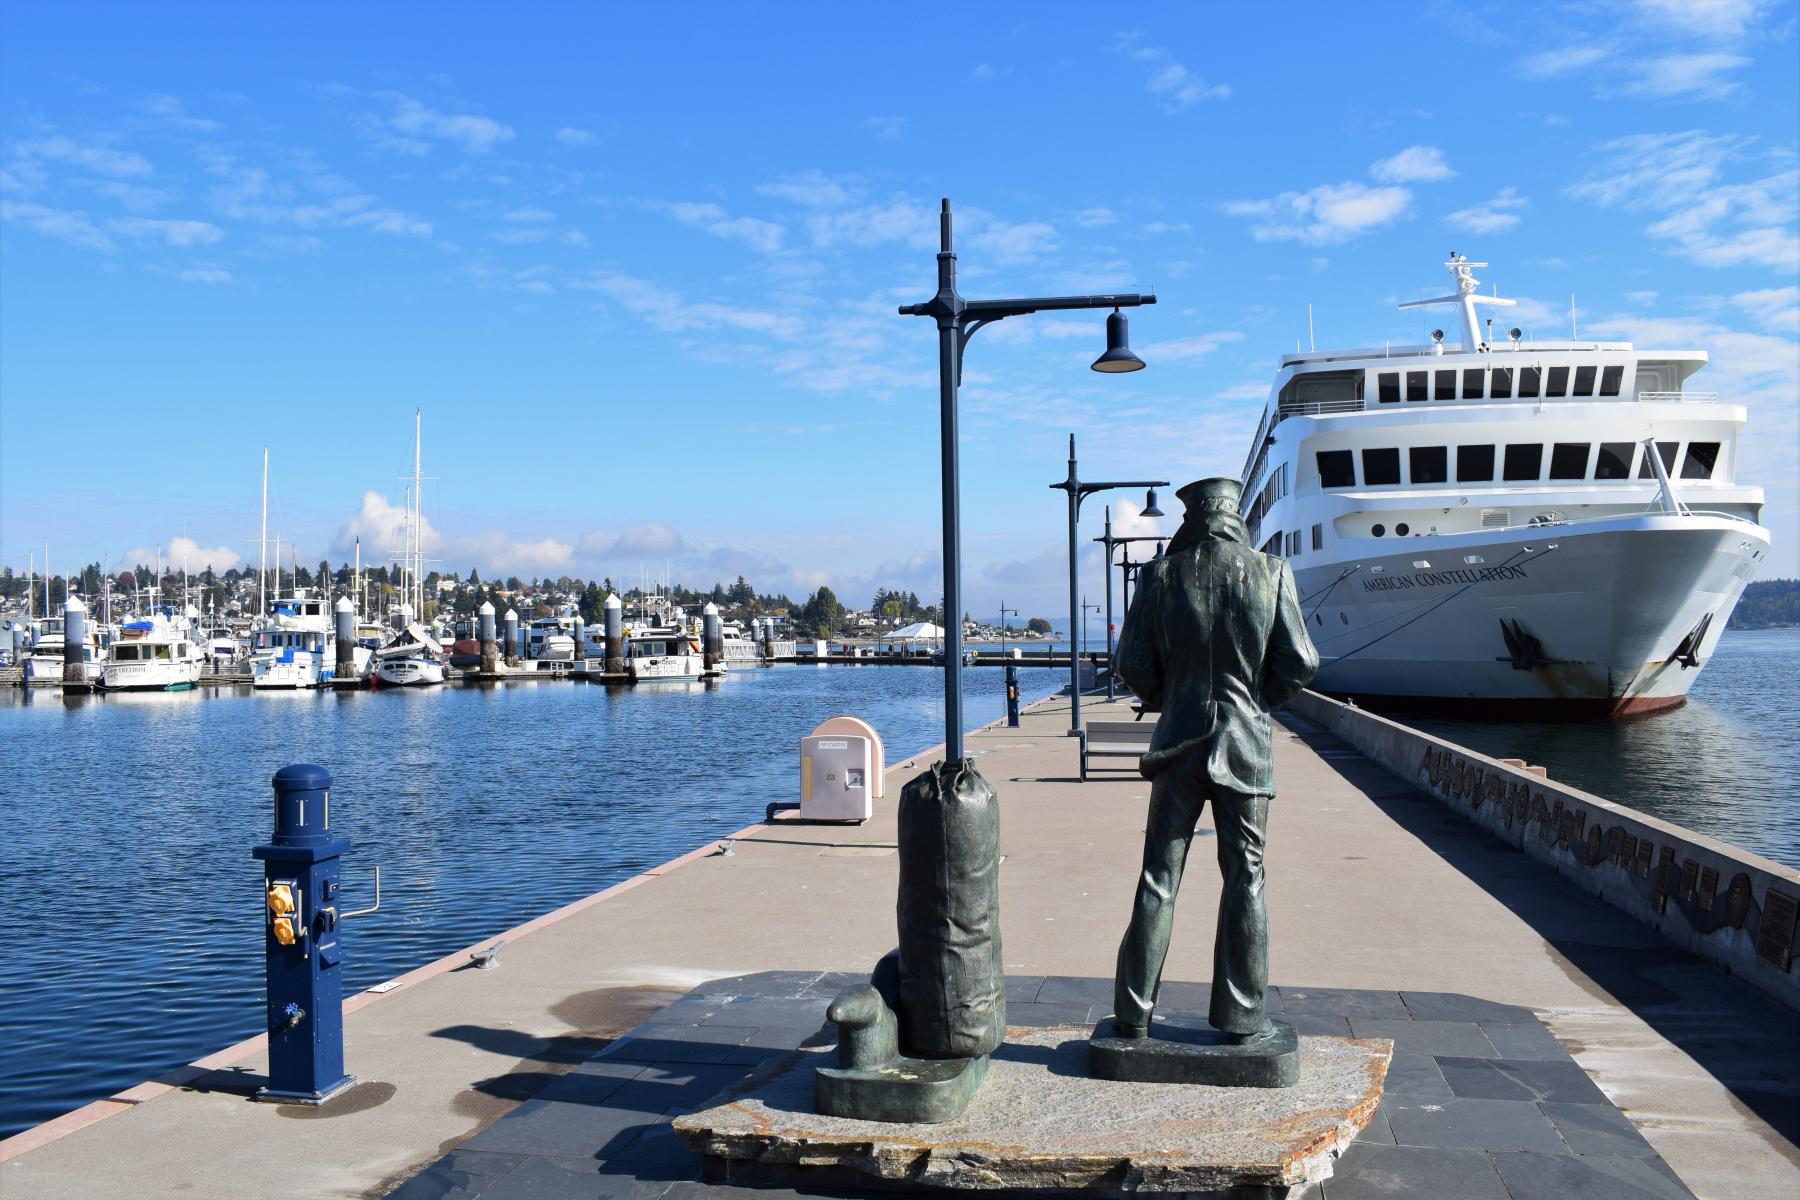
(418, 520)
(356, 579)
(262, 543)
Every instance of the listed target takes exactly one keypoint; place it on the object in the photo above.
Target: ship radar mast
(1466, 298)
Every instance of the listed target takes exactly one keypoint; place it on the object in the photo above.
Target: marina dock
(1388, 907)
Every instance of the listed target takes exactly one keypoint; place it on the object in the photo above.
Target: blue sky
(639, 265)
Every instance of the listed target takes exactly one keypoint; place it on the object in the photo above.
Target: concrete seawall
(1722, 903)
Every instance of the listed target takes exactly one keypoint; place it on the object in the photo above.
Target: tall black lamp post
(1079, 491)
(958, 320)
(1109, 541)
(1003, 614)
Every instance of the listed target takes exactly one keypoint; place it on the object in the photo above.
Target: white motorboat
(1522, 524)
(662, 652)
(152, 654)
(293, 645)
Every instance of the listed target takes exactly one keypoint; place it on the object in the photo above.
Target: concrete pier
(1392, 916)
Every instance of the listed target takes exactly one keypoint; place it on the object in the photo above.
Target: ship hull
(1605, 618)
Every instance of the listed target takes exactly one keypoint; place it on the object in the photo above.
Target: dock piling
(615, 635)
(712, 637)
(484, 633)
(74, 641)
(344, 615)
(512, 637)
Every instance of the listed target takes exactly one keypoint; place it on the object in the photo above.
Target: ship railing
(1290, 408)
(1562, 522)
(1678, 397)
(1286, 409)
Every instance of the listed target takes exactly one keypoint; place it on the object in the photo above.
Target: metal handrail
(1677, 397)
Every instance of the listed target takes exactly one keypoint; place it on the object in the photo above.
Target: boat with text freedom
(1503, 521)
(153, 653)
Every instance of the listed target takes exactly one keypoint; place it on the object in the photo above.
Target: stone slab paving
(1481, 1101)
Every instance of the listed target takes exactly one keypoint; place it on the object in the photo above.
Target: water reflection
(484, 806)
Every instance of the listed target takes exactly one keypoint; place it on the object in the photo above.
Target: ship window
(1337, 468)
(1381, 466)
(1318, 534)
(1415, 384)
(1528, 382)
(1474, 464)
(125, 653)
(1502, 386)
(1472, 384)
(1584, 381)
(1568, 460)
(1666, 451)
(1610, 379)
(1444, 386)
(1378, 530)
(1614, 461)
(1700, 460)
(1402, 529)
(1430, 464)
(1558, 384)
(1389, 383)
(1523, 461)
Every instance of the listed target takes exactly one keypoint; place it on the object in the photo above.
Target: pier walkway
(1373, 887)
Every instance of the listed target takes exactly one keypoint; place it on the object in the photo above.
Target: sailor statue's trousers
(1241, 943)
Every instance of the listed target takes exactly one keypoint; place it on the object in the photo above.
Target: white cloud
(412, 127)
(71, 227)
(1189, 349)
(1178, 87)
(886, 129)
(180, 234)
(809, 190)
(184, 554)
(1008, 243)
(530, 215)
(1095, 218)
(1719, 19)
(1777, 309)
(1415, 164)
(209, 275)
(570, 136)
(1161, 227)
(1563, 60)
(102, 159)
(1700, 76)
(314, 200)
(1681, 179)
(1498, 215)
(759, 235)
(169, 112)
(651, 540)
(382, 527)
(898, 220)
(1326, 214)
(664, 308)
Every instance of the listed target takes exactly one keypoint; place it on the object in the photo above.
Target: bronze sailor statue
(1214, 641)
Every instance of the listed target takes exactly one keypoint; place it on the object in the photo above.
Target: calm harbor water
(133, 929)
(1724, 764)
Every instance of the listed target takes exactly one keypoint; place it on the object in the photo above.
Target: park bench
(1114, 739)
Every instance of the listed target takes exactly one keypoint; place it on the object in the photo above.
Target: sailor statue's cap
(1211, 493)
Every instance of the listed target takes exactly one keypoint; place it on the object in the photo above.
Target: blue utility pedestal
(306, 991)
(1012, 696)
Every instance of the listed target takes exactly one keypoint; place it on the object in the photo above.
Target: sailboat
(412, 657)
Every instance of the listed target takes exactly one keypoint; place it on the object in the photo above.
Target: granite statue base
(1041, 1124)
(922, 1090)
(1189, 1050)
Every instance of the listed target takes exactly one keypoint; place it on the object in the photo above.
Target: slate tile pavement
(1481, 1102)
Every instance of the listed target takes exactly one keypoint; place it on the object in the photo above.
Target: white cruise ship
(1511, 524)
